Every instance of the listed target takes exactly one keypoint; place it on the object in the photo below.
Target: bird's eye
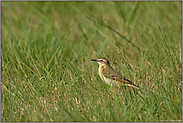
(101, 60)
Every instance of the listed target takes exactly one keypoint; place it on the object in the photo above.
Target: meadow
(46, 70)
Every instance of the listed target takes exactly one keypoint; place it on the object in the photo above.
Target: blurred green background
(46, 69)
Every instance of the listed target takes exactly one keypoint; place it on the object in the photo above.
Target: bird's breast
(107, 80)
(100, 69)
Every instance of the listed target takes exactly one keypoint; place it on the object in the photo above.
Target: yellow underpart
(110, 81)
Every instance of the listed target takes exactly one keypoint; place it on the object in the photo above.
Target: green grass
(46, 69)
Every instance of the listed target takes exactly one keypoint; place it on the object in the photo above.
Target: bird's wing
(112, 74)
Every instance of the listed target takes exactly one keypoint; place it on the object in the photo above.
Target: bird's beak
(93, 60)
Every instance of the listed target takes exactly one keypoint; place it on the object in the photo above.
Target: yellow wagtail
(110, 76)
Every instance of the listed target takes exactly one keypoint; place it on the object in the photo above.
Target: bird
(112, 77)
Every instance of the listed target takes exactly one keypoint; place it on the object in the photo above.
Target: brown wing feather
(111, 73)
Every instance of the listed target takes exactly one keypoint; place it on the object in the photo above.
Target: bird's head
(101, 61)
